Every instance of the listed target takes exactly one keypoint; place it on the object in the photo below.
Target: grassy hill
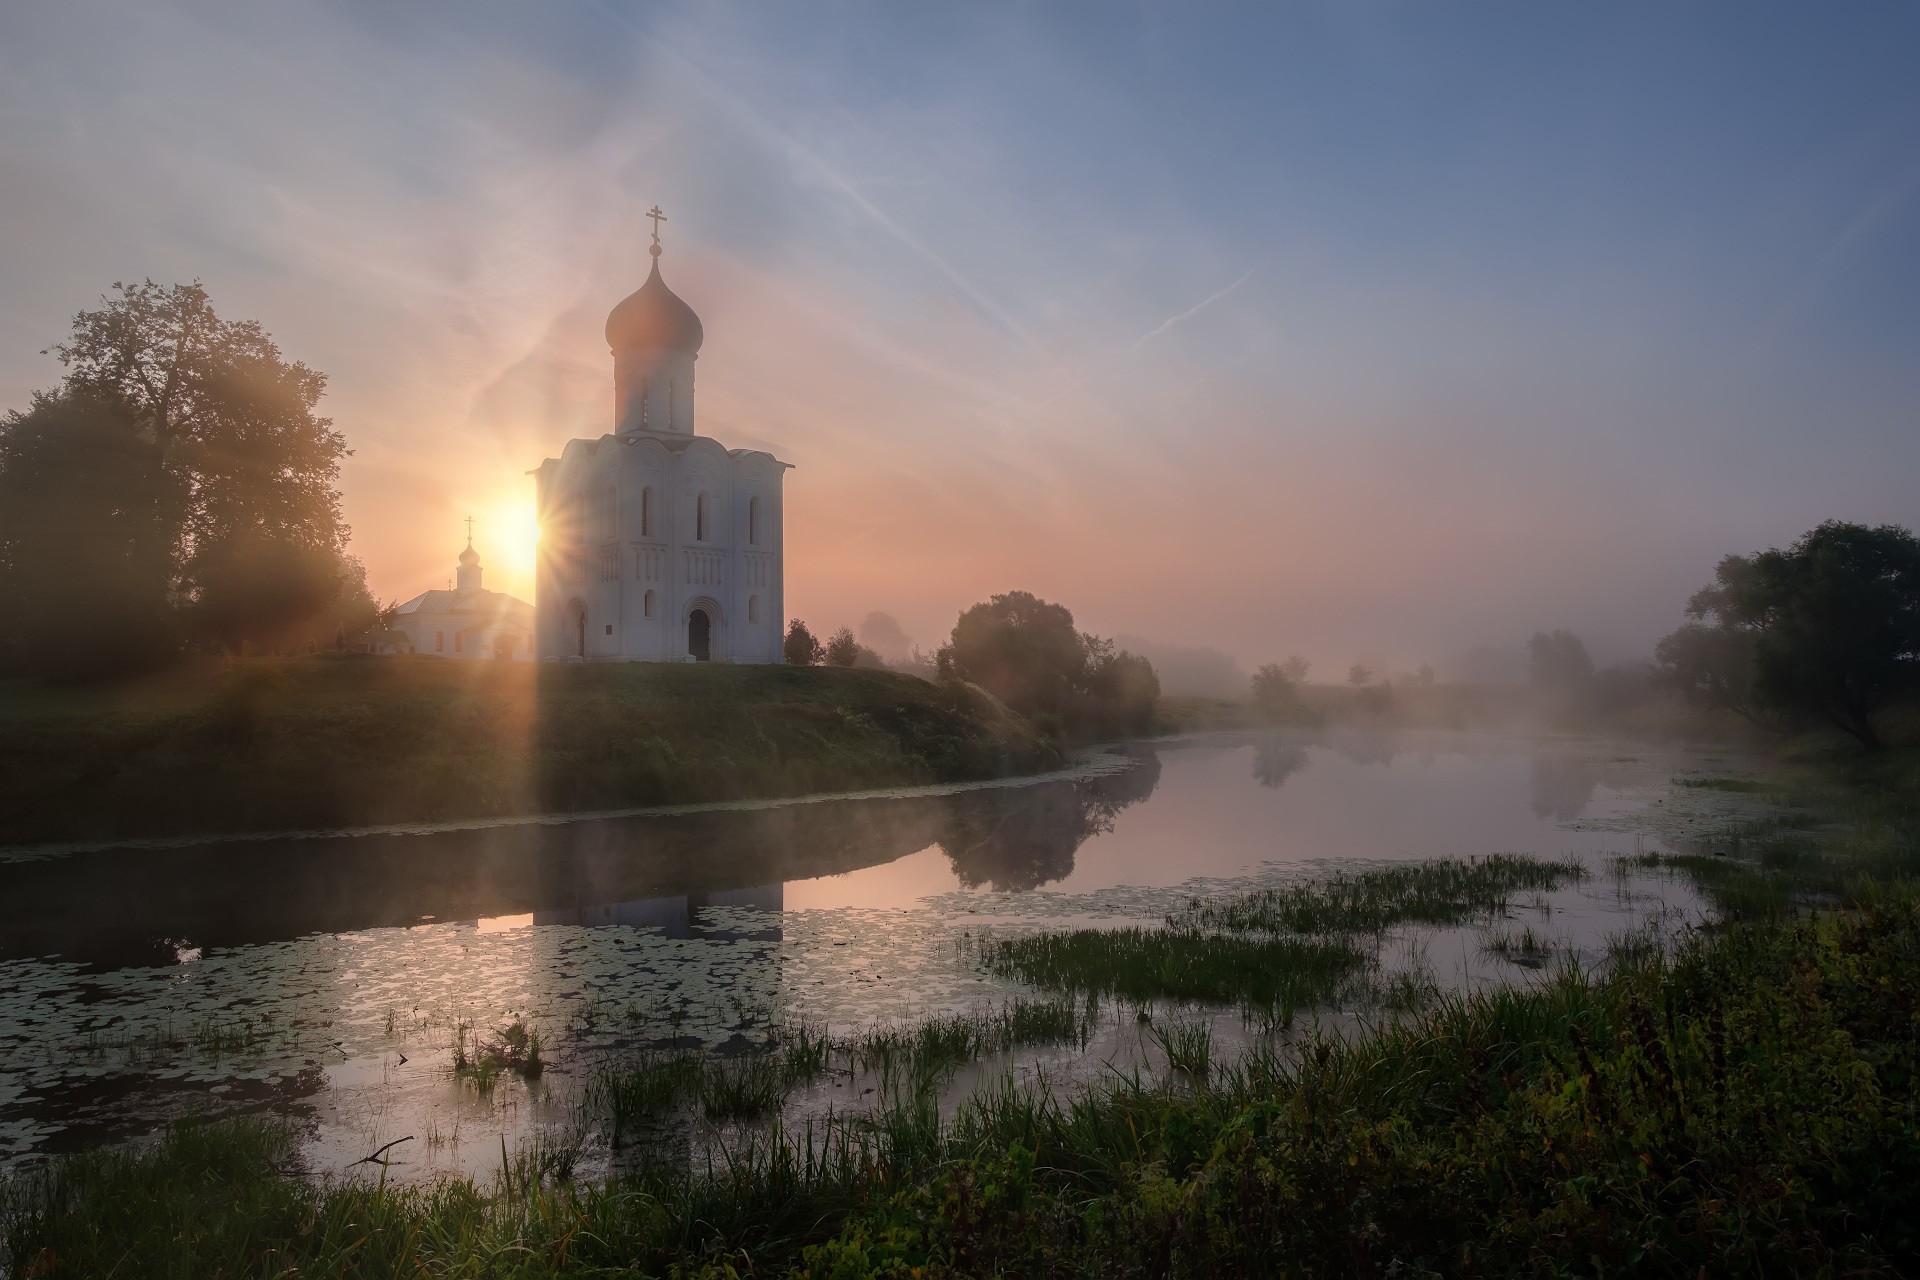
(342, 741)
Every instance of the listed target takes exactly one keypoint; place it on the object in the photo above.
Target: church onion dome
(654, 318)
(469, 557)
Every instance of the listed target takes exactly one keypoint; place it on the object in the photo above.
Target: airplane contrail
(1192, 311)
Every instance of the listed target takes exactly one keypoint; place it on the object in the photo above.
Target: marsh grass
(1525, 948)
(1144, 965)
(1749, 786)
(1736, 887)
(746, 1086)
(1276, 952)
(1448, 891)
(1741, 1106)
(636, 1098)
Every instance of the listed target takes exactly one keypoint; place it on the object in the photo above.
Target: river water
(326, 978)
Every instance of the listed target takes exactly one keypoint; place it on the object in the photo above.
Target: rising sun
(513, 534)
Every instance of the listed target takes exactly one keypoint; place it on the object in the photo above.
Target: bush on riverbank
(346, 741)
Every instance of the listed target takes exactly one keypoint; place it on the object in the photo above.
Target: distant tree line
(176, 491)
(1825, 631)
(1028, 653)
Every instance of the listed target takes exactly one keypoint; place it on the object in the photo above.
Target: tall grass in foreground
(1747, 1106)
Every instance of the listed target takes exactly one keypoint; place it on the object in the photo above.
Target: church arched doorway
(700, 635)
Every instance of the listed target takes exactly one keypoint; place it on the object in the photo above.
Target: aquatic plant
(515, 1050)
(1525, 948)
(1188, 1046)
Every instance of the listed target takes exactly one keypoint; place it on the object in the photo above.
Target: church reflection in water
(684, 915)
(667, 872)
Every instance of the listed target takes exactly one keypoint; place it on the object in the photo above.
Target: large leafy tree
(1827, 629)
(1027, 652)
(87, 516)
(257, 544)
(1023, 650)
(1709, 660)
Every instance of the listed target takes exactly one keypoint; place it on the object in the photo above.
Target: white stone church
(464, 621)
(658, 544)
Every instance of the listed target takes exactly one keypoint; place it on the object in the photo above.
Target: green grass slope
(354, 741)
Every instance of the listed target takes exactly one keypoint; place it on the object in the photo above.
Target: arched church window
(700, 518)
(647, 604)
(753, 521)
(439, 642)
(459, 642)
(608, 510)
(646, 512)
(753, 608)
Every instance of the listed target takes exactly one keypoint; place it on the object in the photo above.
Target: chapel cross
(658, 218)
(469, 530)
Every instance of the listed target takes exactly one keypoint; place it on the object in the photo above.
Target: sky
(1342, 329)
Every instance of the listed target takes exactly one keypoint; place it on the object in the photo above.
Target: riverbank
(330, 742)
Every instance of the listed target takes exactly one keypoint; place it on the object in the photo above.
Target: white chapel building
(658, 544)
(467, 621)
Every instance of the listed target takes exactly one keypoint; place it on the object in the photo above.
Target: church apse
(659, 544)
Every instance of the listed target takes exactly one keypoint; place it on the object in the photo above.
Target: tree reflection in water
(1021, 838)
(1276, 758)
(593, 871)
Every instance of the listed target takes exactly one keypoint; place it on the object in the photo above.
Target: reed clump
(1145, 965)
(1447, 891)
(514, 1050)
